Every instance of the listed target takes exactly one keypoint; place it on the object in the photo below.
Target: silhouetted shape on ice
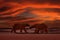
(40, 27)
(20, 26)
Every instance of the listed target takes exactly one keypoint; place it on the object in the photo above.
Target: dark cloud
(52, 10)
(27, 14)
(6, 18)
(57, 10)
(56, 2)
(4, 8)
(46, 9)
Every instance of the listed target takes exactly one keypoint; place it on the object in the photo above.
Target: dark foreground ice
(13, 36)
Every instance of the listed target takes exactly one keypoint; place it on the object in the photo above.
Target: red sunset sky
(36, 9)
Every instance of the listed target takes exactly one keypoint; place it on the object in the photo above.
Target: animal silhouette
(20, 26)
(40, 27)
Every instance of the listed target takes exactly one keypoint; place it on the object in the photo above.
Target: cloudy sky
(39, 9)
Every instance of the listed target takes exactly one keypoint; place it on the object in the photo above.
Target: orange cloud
(45, 15)
(16, 9)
